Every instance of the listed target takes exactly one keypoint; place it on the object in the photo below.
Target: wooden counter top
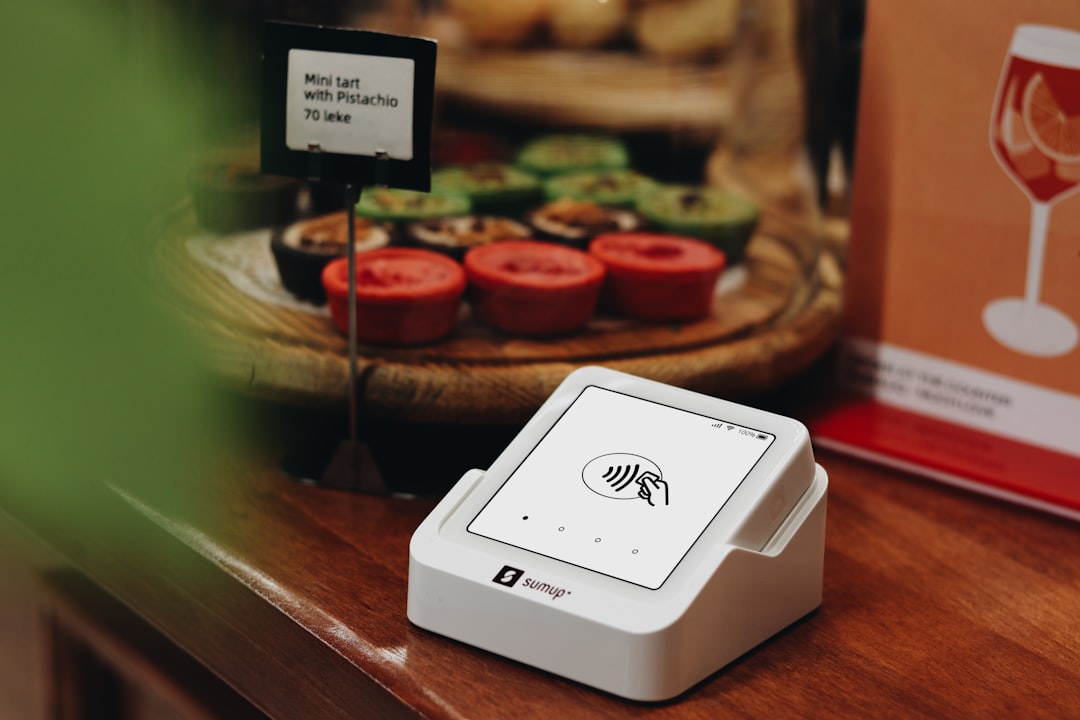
(937, 603)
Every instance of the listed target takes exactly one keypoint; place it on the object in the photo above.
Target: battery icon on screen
(761, 436)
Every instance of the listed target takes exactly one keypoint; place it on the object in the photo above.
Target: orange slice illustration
(1027, 160)
(1053, 132)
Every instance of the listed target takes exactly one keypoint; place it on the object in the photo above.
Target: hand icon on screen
(652, 489)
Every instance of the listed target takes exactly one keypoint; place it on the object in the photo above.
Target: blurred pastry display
(617, 180)
(575, 24)
(665, 28)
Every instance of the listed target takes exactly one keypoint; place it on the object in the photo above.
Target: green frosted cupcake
(720, 218)
(617, 187)
(549, 155)
(492, 188)
(404, 206)
(604, 187)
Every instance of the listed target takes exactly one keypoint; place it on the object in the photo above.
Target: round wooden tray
(772, 316)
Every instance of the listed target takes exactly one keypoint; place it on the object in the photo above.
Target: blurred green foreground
(97, 385)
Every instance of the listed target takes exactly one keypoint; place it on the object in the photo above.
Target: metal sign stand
(345, 145)
(352, 466)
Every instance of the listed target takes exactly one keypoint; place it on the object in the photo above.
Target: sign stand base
(353, 468)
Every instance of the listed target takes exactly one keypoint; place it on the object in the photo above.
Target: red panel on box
(985, 463)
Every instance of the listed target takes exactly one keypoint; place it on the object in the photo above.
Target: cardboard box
(960, 312)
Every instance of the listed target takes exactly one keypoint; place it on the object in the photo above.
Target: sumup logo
(509, 577)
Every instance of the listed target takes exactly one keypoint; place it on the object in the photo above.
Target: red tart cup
(404, 296)
(657, 277)
(526, 287)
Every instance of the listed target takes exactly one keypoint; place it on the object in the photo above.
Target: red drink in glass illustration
(1035, 136)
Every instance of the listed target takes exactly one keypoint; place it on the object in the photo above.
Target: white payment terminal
(634, 536)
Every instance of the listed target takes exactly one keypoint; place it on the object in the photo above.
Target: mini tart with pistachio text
(719, 218)
(454, 236)
(657, 277)
(575, 222)
(304, 248)
(492, 188)
(531, 288)
(549, 155)
(404, 296)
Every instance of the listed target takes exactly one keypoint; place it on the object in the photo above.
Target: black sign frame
(277, 158)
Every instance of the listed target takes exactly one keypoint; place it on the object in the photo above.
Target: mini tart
(455, 235)
(304, 248)
(575, 222)
(657, 277)
(526, 287)
(492, 189)
(549, 155)
(719, 218)
(606, 187)
(404, 296)
(405, 206)
(232, 197)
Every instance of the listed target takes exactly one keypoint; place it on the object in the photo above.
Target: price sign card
(334, 100)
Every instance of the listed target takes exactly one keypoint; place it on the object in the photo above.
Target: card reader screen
(622, 486)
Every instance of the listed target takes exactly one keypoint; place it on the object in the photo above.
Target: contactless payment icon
(624, 476)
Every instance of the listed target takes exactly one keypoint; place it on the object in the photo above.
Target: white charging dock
(634, 537)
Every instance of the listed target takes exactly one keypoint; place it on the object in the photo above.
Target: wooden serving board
(771, 317)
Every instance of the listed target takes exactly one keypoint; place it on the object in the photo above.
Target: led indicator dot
(561, 528)
(596, 540)
(634, 551)
(524, 517)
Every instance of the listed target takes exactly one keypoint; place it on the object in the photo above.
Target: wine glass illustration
(1035, 136)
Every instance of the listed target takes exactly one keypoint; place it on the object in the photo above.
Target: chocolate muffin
(304, 248)
(576, 222)
(455, 236)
